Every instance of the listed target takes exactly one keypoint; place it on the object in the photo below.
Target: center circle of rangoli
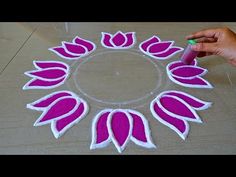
(118, 77)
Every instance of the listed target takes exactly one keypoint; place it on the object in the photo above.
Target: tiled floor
(21, 43)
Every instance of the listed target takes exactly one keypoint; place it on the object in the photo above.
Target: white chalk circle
(124, 78)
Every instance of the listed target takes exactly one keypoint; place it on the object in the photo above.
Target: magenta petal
(159, 47)
(120, 127)
(194, 82)
(180, 63)
(106, 40)
(101, 131)
(59, 109)
(62, 123)
(148, 42)
(168, 53)
(180, 125)
(84, 43)
(61, 52)
(192, 101)
(188, 71)
(138, 128)
(75, 49)
(101, 128)
(45, 102)
(49, 64)
(176, 107)
(43, 83)
(130, 39)
(119, 39)
(49, 73)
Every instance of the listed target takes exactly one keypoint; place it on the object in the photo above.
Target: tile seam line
(18, 51)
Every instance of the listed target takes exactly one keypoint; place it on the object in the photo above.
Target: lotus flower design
(74, 50)
(119, 40)
(175, 108)
(158, 49)
(61, 109)
(120, 126)
(187, 75)
(49, 74)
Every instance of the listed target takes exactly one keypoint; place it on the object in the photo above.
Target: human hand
(218, 41)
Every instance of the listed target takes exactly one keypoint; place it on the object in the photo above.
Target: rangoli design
(187, 75)
(158, 49)
(63, 109)
(74, 50)
(119, 40)
(49, 74)
(174, 109)
(120, 126)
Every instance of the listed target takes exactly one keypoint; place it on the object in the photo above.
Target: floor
(21, 43)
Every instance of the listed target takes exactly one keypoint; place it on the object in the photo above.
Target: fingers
(205, 47)
(209, 33)
(203, 54)
(205, 39)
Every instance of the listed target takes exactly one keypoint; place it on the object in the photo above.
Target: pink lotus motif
(187, 75)
(158, 49)
(74, 50)
(120, 126)
(61, 109)
(49, 74)
(175, 108)
(119, 40)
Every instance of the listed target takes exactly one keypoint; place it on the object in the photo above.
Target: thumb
(204, 47)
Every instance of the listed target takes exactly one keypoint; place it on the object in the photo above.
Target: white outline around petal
(105, 143)
(152, 54)
(76, 57)
(82, 54)
(115, 46)
(58, 134)
(118, 47)
(140, 45)
(67, 71)
(190, 66)
(134, 40)
(102, 39)
(174, 62)
(27, 87)
(198, 120)
(149, 143)
(165, 58)
(169, 56)
(156, 116)
(169, 74)
(171, 44)
(118, 147)
(58, 62)
(205, 103)
(30, 105)
(53, 121)
(45, 79)
(93, 44)
(208, 85)
(38, 123)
